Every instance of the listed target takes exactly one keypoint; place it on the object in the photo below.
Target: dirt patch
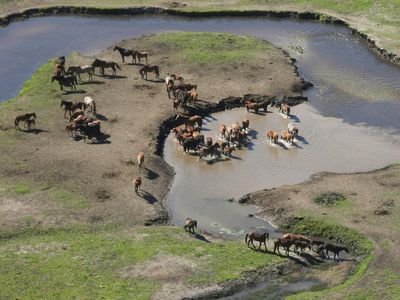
(130, 110)
(165, 268)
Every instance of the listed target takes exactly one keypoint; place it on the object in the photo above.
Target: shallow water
(350, 124)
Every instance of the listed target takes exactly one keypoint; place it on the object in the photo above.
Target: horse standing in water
(98, 63)
(125, 52)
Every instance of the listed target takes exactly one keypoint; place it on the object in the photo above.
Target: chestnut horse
(285, 243)
(257, 236)
(190, 120)
(140, 160)
(137, 182)
(272, 136)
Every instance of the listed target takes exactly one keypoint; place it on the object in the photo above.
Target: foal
(137, 182)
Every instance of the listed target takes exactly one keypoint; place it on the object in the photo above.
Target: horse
(190, 225)
(285, 243)
(302, 245)
(78, 70)
(98, 63)
(245, 124)
(295, 237)
(336, 249)
(257, 236)
(68, 107)
(292, 129)
(70, 129)
(284, 108)
(23, 118)
(137, 182)
(125, 52)
(178, 78)
(140, 55)
(149, 69)
(176, 104)
(76, 115)
(30, 123)
(88, 131)
(286, 136)
(192, 143)
(65, 81)
(222, 130)
(272, 136)
(252, 106)
(317, 243)
(89, 102)
(193, 96)
(210, 150)
(140, 160)
(190, 120)
(59, 66)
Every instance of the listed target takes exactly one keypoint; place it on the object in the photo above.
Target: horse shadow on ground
(253, 133)
(209, 117)
(148, 197)
(249, 146)
(101, 117)
(200, 237)
(155, 80)
(149, 174)
(80, 91)
(100, 139)
(135, 64)
(114, 76)
(34, 130)
(92, 82)
(235, 157)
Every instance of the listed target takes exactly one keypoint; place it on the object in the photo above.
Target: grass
(92, 263)
(211, 48)
(21, 188)
(329, 199)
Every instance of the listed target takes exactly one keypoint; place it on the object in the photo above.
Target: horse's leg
(265, 245)
(252, 243)
(123, 58)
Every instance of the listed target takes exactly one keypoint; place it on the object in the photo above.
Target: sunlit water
(350, 123)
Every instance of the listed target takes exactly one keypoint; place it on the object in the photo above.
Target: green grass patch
(67, 264)
(21, 188)
(329, 199)
(202, 47)
(69, 199)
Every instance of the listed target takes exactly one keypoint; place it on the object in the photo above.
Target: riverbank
(369, 205)
(376, 22)
(62, 199)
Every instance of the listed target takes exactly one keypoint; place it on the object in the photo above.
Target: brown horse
(284, 108)
(139, 55)
(30, 123)
(177, 77)
(190, 120)
(193, 95)
(295, 237)
(23, 118)
(272, 136)
(98, 63)
(252, 106)
(286, 136)
(209, 151)
(302, 245)
(222, 130)
(257, 236)
(190, 225)
(150, 69)
(285, 243)
(137, 182)
(140, 160)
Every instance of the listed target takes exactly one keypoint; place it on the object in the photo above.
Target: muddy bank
(132, 11)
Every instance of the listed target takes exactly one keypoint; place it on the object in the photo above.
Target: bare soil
(131, 109)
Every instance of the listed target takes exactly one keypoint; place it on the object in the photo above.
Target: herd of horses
(82, 120)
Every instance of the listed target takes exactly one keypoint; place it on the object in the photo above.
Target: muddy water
(351, 123)
(202, 189)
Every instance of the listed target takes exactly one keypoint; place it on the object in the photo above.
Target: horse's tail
(117, 66)
(245, 239)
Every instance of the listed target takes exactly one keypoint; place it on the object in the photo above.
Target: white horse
(293, 129)
(89, 102)
(168, 79)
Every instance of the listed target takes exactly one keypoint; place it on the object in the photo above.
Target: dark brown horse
(285, 243)
(149, 69)
(336, 249)
(125, 52)
(23, 118)
(98, 63)
(190, 225)
(69, 81)
(259, 237)
(209, 151)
